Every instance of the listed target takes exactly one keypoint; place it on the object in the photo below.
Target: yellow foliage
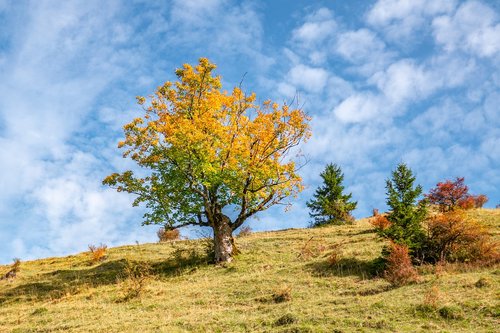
(219, 137)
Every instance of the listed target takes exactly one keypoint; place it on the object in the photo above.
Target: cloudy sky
(387, 81)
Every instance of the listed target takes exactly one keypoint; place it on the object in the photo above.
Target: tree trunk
(223, 237)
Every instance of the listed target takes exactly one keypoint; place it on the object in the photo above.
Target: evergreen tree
(406, 213)
(329, 205)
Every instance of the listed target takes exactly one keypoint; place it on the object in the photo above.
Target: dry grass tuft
(282, 294)
(432, 297)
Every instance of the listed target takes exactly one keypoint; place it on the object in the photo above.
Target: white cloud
(359, 45)
(194, 12)
(311, 79)
(359, 108)
(404, 81)
(54, 74)
(364, 50)
(218, 27)
(400, 19)
(473, 28)
(318, 27)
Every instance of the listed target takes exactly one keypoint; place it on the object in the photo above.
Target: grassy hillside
(281, 282)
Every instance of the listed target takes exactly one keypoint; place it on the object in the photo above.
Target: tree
(207, 151)
(329, 205)
(449, 194)
(406, 214)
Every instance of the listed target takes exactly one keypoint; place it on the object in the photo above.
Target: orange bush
(97, 253)
(165, 235)
(453, 236)
(380, 222)
(399, 269)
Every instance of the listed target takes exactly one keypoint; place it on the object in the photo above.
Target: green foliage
(406, 213)
(329, 204)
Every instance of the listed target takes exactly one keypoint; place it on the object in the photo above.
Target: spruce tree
(406, 212)
(329, 205)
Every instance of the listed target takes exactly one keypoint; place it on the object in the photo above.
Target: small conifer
(329, 204)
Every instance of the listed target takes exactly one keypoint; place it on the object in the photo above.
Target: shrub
(447, 195)
(473, 201)
(137, 275)
(480, 200)
(452, 236)
(165, 235)
(380, 222)
(14, 269)
(97, 253)
(245, 231)
(399, 269)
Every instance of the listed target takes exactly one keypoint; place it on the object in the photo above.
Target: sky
(385, 82)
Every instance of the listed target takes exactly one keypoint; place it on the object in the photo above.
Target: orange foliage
(400, 270)
(165, 235)
(453, 236)
(380, 222)
(97, 253)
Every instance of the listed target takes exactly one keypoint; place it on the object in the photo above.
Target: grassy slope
(186, 295)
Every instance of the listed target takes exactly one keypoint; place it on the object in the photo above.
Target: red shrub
(467, 202)
(480, 200)
(400, 270)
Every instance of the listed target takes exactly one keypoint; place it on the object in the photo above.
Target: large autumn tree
(207, 152)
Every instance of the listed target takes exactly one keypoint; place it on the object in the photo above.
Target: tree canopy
(206, 150)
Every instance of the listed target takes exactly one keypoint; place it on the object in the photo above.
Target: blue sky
(385, 82)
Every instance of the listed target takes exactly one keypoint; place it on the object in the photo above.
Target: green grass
(281, 282)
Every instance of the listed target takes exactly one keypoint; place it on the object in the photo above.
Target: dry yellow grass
(182, 293)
